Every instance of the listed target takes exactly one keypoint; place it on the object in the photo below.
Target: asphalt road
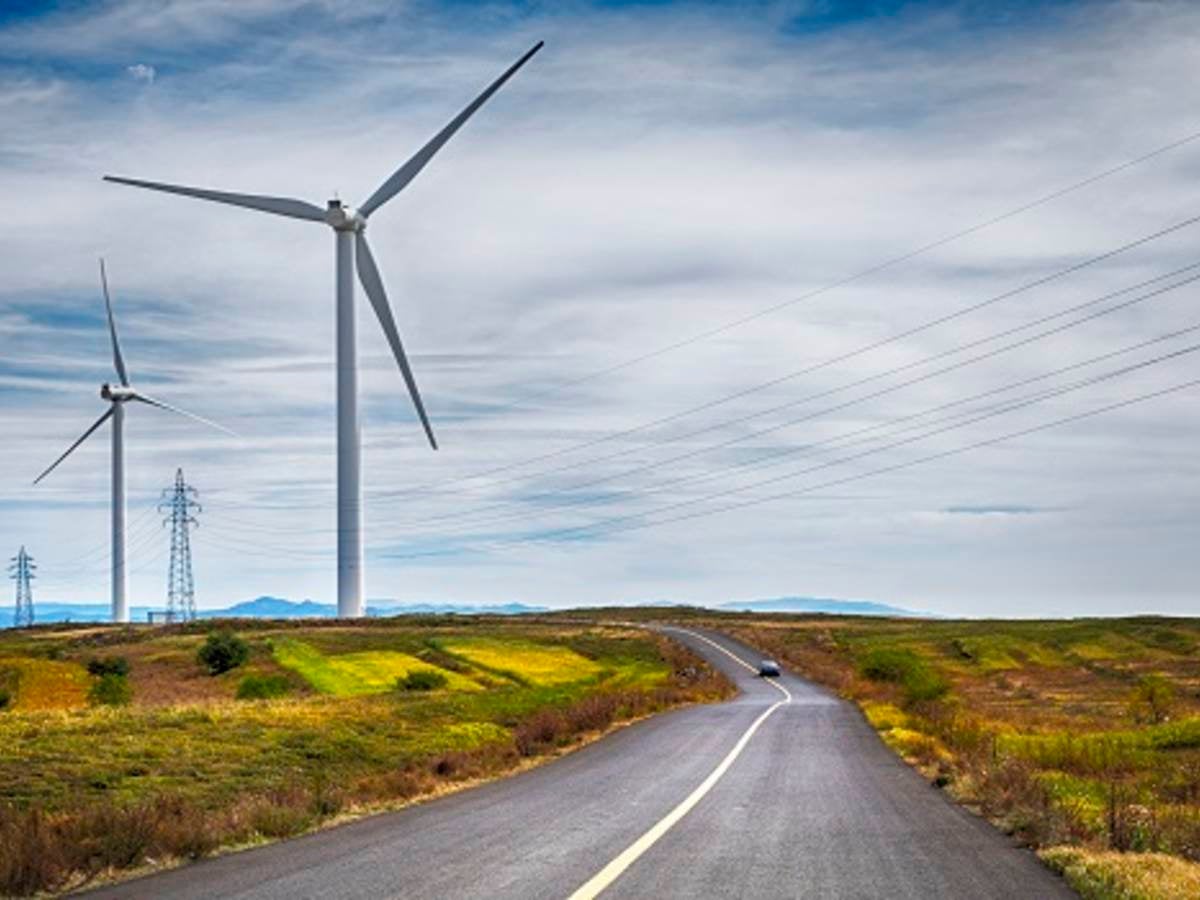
(808, 804)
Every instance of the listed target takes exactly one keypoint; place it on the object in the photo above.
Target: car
(768, 668)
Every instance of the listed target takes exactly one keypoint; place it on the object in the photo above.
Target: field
(148, 758)
(1081, 738)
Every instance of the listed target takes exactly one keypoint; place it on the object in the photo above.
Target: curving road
(782, 792)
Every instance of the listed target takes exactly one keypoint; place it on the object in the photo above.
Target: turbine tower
(181, 589)
(22, 570)
(117, 396)
(352, 252)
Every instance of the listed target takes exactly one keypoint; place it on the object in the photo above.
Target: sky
(661, 295)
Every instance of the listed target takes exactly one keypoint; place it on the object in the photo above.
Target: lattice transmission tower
(181, 505)
(22, 570)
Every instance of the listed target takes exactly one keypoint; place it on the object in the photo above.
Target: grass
(354, 674)
(186, 767)
(46, 684)
(522, 662)
(1124, 876)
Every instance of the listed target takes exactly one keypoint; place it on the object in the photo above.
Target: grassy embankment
(358, 718)
(1081, 738)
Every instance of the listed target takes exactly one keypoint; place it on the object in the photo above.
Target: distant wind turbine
(118, 395)
(353, 252)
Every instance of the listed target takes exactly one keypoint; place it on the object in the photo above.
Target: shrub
(539, 731)
(1154, 695)
(263, 687)
(920, 682)
(222, 651)
(281, 815)
(5, 699)
(110, 690)
(108, 665)
(887, 664)
(422, 680)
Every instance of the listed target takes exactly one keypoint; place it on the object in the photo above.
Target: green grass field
(186, 767)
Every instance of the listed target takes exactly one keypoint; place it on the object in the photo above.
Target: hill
(821, 605)
(267, 608)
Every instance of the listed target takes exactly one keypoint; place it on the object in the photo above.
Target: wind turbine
(352, 251)
(118, 395)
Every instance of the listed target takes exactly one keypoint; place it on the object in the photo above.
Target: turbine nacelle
(344, 218)
(117, 393)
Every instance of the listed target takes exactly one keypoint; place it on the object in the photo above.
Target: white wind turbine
(352, 251)
(118, 395)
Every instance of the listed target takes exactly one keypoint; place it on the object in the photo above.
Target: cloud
(1010, 509)
(141, 72)
(652, 175)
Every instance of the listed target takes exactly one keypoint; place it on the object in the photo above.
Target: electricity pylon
(181, 503)
(22, 570)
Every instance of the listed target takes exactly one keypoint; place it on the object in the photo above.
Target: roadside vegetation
(1081, 738)
(135, 746)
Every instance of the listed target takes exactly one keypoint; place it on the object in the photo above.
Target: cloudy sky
(659, 294)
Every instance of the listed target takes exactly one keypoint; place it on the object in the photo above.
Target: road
(782, 792)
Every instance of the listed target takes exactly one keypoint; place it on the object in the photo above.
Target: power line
(605, 526)
(1012, 407)
(859, 275)
(843, 357)
(725, 471)
(593, 461)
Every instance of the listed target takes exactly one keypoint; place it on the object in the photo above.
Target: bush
(5, 699)
(920, 682)
(1154, 695)
(263, 687)
(887, 664)
(222, 651)
(422, 680)
(110, 690)
(108, 665)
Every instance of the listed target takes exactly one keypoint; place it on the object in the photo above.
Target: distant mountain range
(821, 605)
(266, 608)
(279, 608)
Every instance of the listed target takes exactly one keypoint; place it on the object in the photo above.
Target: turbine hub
(343, 218)
(117, 393)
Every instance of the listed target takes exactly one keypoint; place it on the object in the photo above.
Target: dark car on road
(768, 668)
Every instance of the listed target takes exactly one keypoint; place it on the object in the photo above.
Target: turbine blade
(409, 170)
(368, 274)
(151, 401)
(118, 360)
(100, 421)
(281, 206)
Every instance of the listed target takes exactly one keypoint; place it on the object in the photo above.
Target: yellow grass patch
(884, 716)
(350, 674)
(47, 684)
(543, 664)
(1106, 875)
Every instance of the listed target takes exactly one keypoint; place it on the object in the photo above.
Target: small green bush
(422, 680)
(222, 651)
(108, 665)
(888, 664)
(110, 690)
(1153, 698)
(263, 687)
(5, 699)
(919, 681)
